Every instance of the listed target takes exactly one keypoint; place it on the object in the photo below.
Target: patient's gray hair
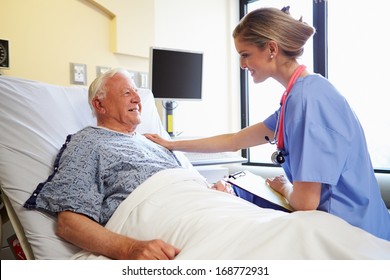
(98, 86)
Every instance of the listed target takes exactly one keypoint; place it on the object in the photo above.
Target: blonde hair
(265, 24)
(98, 87)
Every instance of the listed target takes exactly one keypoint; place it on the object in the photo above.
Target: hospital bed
(174, 205)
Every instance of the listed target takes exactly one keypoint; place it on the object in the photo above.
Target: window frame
(320, 64)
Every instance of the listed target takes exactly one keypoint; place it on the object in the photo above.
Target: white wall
(205, 26)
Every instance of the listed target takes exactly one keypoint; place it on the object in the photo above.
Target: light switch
(133, 77)
(78, 73)
(101, 70)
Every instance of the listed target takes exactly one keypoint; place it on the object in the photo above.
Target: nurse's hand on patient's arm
(300, 195)
(159, 140)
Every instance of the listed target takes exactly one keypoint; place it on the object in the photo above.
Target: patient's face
(121, 108)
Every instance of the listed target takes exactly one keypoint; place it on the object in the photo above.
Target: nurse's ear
(273, 48)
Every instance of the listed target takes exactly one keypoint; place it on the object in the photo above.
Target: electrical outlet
(78, 73)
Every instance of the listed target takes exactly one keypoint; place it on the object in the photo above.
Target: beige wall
(47, 35)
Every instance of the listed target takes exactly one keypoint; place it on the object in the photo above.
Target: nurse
(320, 142)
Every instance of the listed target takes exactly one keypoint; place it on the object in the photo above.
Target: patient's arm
(91, 236)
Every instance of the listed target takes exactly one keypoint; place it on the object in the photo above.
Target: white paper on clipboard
(256, 185)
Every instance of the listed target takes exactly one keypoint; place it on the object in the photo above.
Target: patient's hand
(152, 250)
(223, 186)
(87, 234)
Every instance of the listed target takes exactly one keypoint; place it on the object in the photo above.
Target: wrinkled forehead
(120, 83)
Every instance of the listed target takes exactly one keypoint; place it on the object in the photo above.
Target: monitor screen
(176, 74)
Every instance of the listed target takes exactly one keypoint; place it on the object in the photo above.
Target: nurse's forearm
(248, 137)
(303, 195)
(300, 195)
(219, 143)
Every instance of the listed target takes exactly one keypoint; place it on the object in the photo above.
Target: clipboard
(266, 197)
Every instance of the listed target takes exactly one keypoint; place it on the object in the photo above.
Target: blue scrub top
(324, 142)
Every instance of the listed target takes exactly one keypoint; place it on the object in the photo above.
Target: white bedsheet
(177, 206)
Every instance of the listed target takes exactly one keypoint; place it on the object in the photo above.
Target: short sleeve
(272, 120)
(73, 185)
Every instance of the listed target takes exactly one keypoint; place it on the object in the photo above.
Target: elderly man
(98, 167)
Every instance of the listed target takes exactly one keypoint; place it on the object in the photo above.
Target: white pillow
(35, 119)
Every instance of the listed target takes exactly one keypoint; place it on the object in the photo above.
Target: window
(358, 66)
(353, 57)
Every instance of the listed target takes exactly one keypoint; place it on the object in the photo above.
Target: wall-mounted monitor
(176, 74)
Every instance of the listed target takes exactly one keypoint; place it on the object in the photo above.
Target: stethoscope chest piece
(277, 157)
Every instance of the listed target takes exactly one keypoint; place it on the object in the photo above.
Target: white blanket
(176, 206)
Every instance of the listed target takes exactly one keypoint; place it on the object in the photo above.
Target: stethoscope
(278, 157)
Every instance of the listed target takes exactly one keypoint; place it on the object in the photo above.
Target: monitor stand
(169, 107)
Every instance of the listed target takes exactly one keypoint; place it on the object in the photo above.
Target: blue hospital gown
(325, 143)
(96, 170)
